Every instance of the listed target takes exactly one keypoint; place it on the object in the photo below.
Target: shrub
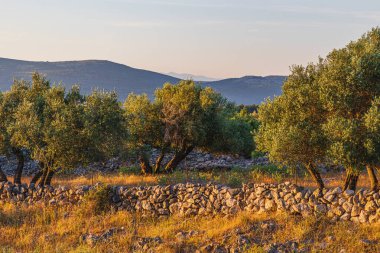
(259, 171)
(182, 177)
(99, 199)
(127, 170)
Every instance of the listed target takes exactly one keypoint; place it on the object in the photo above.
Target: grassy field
(34, 229)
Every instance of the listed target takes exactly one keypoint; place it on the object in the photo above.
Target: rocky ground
(240, 239)
(196, 160)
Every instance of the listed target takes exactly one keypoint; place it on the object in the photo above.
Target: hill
(108, 75)
(249, 89)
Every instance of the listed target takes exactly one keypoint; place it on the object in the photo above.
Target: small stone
(349, 193)
(321, 208)
(270, 205)
(345, 217)
(355, 211)
(347, 206)
(370, 206)
(363, 217)
(372, 218)
(231, 202)
(337, 190)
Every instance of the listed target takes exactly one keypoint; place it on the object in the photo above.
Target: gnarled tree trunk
(178, 157)
(36, 177)
(159, 159)
(350, 181)
(20, 166)
(372, 177)
(145, 165)
(49, 177)
(43, 177)
(3, 177)
(315, 175)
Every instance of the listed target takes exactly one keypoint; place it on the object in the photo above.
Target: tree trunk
(3, 177)
(350, 181)
(315, 175)
(36, 177)
(144, 165)
(178, 157)
(353, 182)
(20, 166)
(346, 181)
(49, 177)
(43, 177)
(372, 177)
(159, 159)
(377, 167)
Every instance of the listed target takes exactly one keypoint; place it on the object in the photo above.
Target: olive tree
(349, 83)
(50, 128)
(9, 105)
(372, 141)
(233, 132)
(145, 130)
(182, 117)
(104, 126)
(291, 124)
(3, 177)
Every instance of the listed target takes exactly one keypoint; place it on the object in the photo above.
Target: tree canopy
(182, 117)
(327, 112)
(291, 124)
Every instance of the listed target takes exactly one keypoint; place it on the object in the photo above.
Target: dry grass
(34, 229)
(332, 179)
(112, 179)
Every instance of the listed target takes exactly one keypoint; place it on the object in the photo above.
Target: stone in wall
(211, 199)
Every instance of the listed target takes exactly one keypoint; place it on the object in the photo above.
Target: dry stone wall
(210, 199)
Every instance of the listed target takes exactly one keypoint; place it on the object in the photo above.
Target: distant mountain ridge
(90, 74)
(193, 77)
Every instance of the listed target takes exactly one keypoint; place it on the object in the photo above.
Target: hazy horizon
(210, 38)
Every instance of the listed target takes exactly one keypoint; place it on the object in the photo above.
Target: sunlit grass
(34, 229)
(232, 178)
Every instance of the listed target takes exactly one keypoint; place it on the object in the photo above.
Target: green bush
(259, 171)
(128, 170)
(99, 199)
(257, 154)
(182, 177)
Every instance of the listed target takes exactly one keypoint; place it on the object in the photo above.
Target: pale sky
(215, 38)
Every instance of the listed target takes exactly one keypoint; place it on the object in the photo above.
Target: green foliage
(10, 102)
(142, 119)
(135, 170)
(327, 111)
(257, 154)
(249, 108)
(235, 132)
(104, 125)
(99, 199)
(189, 113)
(349, 86)
(258, 172)
(186, 116)
(48, 126)
(291, 124)
(372, 124)
(182, 177)
(60, 129)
